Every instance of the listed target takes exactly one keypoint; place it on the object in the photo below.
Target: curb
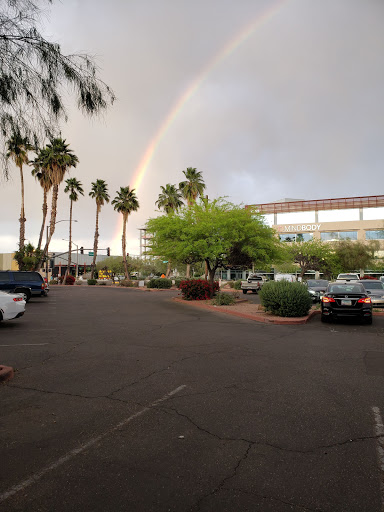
(6, 373)
(257, 317)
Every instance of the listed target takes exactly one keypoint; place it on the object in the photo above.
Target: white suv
(347, 278)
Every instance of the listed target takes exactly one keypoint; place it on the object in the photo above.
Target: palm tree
(17, 150)
(193, 186)
(170, 199)
(42, 174)
(57, 160)
(99, 192)
(125, 202)
(74, 188)
(190, 189)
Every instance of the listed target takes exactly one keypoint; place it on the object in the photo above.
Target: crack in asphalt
(51, 357)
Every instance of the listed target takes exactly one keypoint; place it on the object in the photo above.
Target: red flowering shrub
(368, 277)
(70, 279)
(197, 289)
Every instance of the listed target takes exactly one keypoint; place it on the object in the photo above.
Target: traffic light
(108, 251)
(81, 250)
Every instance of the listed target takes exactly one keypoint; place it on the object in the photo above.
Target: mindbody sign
(299, 227)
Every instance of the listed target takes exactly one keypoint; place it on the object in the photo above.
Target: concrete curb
(258, 317)
(6, 373)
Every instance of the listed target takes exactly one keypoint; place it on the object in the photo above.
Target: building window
(296, 237)
(332, 236)
(374, 235)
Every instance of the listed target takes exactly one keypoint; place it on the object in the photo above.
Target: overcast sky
(294, 110)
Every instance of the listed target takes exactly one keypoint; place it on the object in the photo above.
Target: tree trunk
(55, 194)
(96, 241)
(45, 211)
(67, 272)
(211, 273)
(168, 269)
(124, 245)
(188, 271)
(22, 214)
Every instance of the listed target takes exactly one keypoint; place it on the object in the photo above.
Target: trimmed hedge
(128, 283)
(162, 282)
(92, 282)
(197, 289)
(179, 279)
(286, 299)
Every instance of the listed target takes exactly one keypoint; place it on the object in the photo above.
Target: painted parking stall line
(379, 432)
(71, 454)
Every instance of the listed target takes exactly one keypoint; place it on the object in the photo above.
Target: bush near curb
(159, 283)
(129, 284)
(91, 282)
(179, 279)
(197, 289)
(285, 299)
(223, 299)
(237, 285)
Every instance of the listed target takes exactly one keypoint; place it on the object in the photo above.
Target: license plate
(346, 303)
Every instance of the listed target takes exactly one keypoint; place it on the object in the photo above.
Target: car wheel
(367, 321)
(25, 294)
(254, 291)
(245, 291)
(325, 319)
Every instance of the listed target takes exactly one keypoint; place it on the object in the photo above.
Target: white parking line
(379, 431)
(26, 345)
(37, 476)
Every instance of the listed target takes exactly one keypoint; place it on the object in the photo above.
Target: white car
(347, 278)
(12, 305)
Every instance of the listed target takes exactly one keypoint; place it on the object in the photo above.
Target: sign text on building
(298, 227)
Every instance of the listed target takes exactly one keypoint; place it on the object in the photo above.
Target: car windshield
(347, 276)
(373, 286)
(346, 288)
(317, 282)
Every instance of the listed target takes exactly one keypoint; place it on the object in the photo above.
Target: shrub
(283, 298)
(129, 284)
(368, 277)
(178, 281)
(159, 283)
(91, 282)
(102, 283)
(197, 289)
(231, 284)
(237, 285)
(79, 282)
(53, 281)
(223, 299)
(70, 280)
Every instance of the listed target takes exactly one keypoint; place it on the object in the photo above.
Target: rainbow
(178, 106)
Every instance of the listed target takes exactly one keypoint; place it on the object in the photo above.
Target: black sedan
(317, 288)
(346, 300)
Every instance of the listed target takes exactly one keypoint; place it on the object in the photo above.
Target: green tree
(355, 255)
(310, 255)
(207, 231)
(114, 264)
(99, 192)
(73, 188)
(125, 203)
(17, 150)
(170, 199)
(28, 257)
(35, 76)
(43, 176)
(193, 186)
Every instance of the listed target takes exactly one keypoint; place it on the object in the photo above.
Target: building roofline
(340, 203)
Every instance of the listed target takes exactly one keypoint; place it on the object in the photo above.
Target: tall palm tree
(74, 188)
(58, 158)
(193, 186)
(42, 174)
(170, 199)
(99, 192)
(125, 202)
(17, 150)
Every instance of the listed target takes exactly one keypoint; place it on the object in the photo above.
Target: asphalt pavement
(123, 400)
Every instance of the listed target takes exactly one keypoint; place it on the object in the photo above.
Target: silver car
(375, 289)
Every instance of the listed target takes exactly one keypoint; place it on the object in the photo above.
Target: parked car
(346, 300)
(317, 288)
(28, 284)
(11, 306)
(375, 289)
(285, 277)
(346, 278)
(253, 283)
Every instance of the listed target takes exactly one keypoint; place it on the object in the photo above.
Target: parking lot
(125, 400)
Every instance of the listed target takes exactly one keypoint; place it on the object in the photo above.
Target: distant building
(7, 262)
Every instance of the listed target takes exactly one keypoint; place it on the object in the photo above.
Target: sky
(268, 99)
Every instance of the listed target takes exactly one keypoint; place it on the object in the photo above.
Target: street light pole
(77, 256)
